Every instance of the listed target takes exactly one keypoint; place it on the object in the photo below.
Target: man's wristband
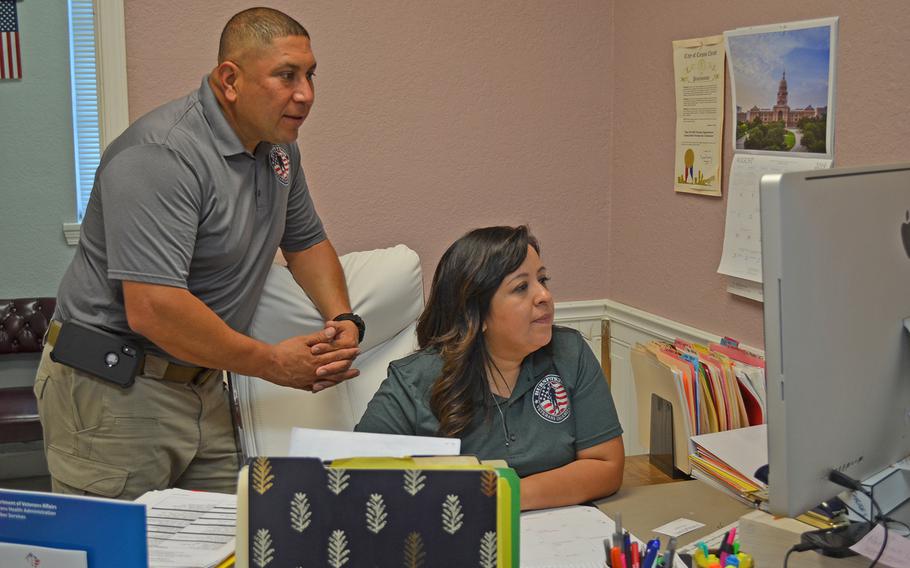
(358, 321)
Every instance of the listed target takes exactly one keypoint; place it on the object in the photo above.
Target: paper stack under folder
(728, 461)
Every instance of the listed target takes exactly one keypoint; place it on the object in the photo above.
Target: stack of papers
(190, 528)
(728, 461)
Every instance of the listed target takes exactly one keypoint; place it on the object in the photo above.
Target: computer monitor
(836, 273)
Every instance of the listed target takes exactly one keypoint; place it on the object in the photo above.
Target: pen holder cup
(713, 552)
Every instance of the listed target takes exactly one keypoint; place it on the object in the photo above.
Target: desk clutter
(718, 550)
(419, 512)
(686, 389)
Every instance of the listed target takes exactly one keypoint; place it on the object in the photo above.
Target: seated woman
(493, 370)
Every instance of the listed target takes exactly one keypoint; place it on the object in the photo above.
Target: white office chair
(386, 289)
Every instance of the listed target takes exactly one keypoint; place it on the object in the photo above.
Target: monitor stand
(890, 488)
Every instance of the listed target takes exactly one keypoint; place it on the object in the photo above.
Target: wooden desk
(649, 498)
(638, 471)
(646, 507)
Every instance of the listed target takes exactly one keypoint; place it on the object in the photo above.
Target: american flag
(10, 57)
(557, 399)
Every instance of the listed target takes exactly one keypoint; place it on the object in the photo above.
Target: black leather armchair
(23, 323)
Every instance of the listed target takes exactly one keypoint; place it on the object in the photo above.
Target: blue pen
(651, 554)
(627, 544)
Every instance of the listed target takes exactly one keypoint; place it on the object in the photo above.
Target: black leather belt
(153, 366)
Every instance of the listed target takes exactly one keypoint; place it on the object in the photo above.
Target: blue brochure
(111, 532)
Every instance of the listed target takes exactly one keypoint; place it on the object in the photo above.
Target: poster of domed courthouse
(782, 78)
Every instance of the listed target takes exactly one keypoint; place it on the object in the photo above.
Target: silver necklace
(502, 417)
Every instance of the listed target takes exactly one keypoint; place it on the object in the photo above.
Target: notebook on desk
(380, 511)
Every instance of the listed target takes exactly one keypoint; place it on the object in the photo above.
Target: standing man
(188, 208)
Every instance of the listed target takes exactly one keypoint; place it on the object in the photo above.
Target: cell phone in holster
(99, 353)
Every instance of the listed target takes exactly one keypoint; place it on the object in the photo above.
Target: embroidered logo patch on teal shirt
(551, 400)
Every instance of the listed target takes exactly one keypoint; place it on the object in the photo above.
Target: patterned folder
(376, 512)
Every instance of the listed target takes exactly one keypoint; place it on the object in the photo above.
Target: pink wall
(431, 118)
(665, 248)
(434, 117)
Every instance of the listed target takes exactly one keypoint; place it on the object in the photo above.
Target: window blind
(83, 71)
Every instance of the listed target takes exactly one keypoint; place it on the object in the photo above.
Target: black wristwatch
(358, 321)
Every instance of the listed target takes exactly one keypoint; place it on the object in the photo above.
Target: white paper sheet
(746, 289)
(189, 528)
(679, 527)
(896, 552)
(743, 449)
(741, 256)
(330, 445)
(567, 537)
(754, 377)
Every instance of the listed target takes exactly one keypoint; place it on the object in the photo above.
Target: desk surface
(646, 507)
(639, 471)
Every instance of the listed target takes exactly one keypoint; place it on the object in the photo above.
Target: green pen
(736, 547)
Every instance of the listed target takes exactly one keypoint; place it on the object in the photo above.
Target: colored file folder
(652, 376)
(378, 512)
(711, 389)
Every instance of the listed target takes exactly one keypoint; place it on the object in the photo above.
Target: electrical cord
(873, 519)
(888, 520)
(798, 547)
(880, 518)
(844, 480)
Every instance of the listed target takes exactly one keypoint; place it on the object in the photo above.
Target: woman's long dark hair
(465, 281)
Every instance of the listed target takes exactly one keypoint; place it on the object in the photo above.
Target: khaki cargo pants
(107, 441)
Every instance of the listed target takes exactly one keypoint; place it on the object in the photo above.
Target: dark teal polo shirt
(561, 404)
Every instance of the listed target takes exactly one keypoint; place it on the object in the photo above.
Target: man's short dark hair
(256, 27)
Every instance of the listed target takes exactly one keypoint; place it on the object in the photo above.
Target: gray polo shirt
(177, 201)
(561, 404)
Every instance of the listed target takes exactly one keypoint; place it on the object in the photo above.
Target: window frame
(110, 64)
